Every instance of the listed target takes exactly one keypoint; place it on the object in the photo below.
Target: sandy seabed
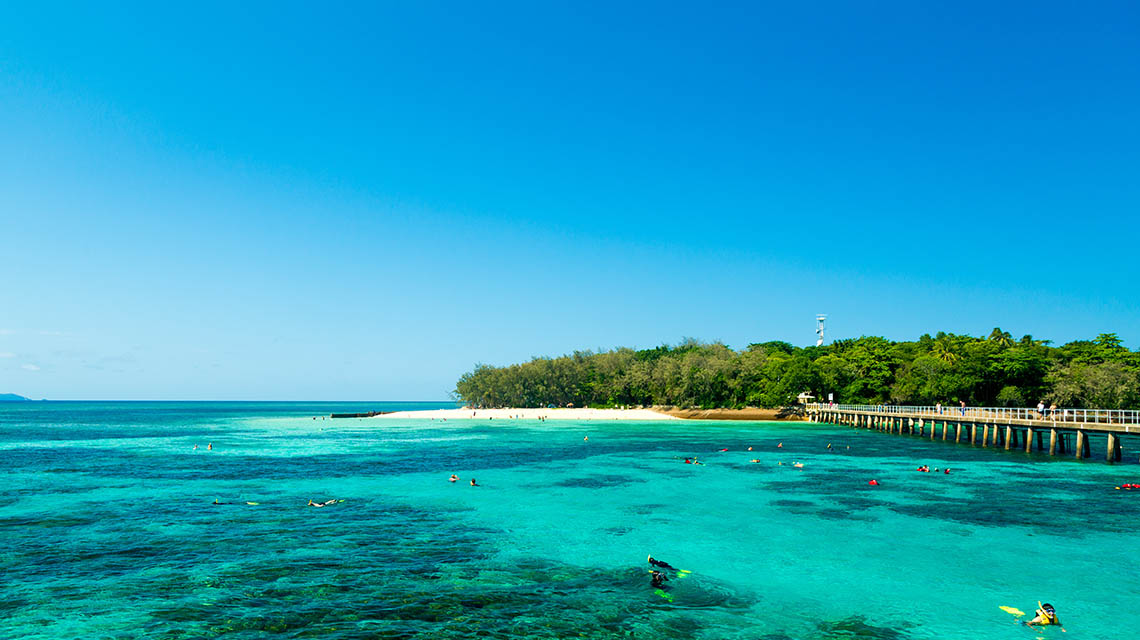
(532, 414)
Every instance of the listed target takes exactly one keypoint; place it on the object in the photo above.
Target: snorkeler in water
(1046, 615)
(653, 562)
(657, 579)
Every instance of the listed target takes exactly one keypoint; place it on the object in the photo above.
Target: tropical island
(11, 397)
(995, 370)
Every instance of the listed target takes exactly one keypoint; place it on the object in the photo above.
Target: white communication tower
(819, 320)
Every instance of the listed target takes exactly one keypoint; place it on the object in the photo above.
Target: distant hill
(11, 397)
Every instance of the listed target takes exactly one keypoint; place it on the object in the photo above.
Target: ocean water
(109, 529)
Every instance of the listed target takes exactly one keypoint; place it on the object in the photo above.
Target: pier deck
(1068, 429)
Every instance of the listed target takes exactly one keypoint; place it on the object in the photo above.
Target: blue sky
(297, 201)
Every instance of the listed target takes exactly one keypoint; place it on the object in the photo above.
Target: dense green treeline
(947, 368)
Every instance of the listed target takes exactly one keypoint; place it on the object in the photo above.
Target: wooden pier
(1067, 431)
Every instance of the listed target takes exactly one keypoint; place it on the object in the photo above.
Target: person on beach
(1046, 616)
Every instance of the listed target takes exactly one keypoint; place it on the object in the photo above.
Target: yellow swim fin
(1013, 610)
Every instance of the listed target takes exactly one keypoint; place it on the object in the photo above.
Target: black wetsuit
(658, 580)
(663, 565)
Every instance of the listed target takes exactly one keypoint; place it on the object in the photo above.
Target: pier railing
(1076, 416)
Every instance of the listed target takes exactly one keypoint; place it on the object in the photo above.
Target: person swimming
(653, 562)
(453, 478)
(322, 504)
(473, 483)
(1046, 615)
(657, 579)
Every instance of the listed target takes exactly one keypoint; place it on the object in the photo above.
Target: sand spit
(657, 413)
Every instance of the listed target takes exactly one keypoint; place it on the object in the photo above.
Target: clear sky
(333, 201)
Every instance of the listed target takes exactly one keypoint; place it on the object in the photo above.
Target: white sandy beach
(531, 414)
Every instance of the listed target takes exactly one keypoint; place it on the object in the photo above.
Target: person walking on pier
(963, 405)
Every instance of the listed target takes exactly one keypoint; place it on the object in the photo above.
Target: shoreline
(529, 414)
(747, 413)
(656, 413)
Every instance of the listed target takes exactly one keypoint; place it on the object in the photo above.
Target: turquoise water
(109, 532)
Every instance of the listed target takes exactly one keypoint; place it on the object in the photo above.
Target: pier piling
(1113, 453)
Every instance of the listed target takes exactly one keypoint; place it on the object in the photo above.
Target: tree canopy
(992, 371)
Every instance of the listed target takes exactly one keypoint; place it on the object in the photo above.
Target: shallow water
(109, 530)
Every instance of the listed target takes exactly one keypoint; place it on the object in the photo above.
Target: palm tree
(1002, 338)
(944, 350)
(1028, 341)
